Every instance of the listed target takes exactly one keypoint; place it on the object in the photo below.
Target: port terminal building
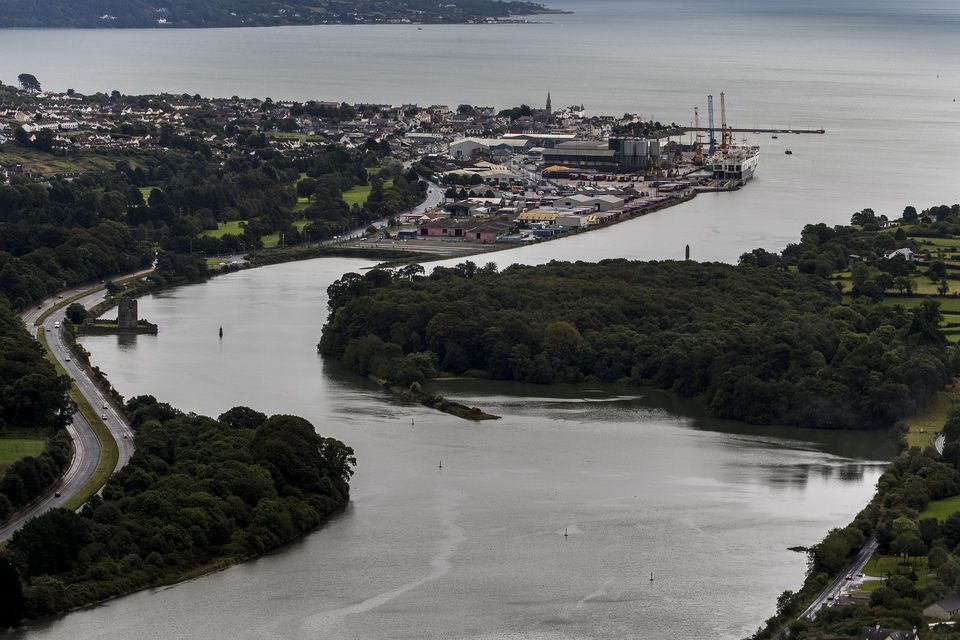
(615, 154)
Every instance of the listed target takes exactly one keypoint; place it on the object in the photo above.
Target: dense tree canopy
(32, 395)
(196, 491)
(63, 232)
(755, 344)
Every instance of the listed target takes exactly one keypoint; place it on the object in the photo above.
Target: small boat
(788, 152)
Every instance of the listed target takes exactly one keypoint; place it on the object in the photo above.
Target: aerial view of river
(642, 484)
(552, 521)
(881, 77)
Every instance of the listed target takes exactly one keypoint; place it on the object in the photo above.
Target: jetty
(750, 130)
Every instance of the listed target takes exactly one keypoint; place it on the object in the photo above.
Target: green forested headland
(198, 493)
(245, 13)
(757, 344)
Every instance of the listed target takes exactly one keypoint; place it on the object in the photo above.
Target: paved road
(836, 587)
(829, 595)
(86, 446)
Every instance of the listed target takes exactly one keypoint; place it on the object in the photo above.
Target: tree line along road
(87, 449)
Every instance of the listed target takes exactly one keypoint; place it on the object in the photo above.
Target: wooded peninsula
(758, 342)
(197, 495)
(145, 14)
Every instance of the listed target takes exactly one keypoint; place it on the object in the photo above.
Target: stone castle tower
(127, 313)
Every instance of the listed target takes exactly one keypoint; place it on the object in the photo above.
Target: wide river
(640, 483)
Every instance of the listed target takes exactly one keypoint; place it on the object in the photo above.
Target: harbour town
(512, 176)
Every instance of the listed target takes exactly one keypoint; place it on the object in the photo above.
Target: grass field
(12, 449)
(48, 164)
(882, 566)
(925, 425)
(302, 203)
(948, 304)
(289, 135)
(270, 241)
(870, 585)
(942, 509)
(359, 194)
(231, 228)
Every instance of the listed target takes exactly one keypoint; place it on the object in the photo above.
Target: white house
(906, 252)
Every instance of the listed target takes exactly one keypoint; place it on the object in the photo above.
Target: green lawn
(942, 509)
(47, 164)
(952, 243)
(289, 135)
(948, 304)
(145, 191)
(302, 203)
(925, 425)
(12, 449)
(357, 195)
(231, 228)
(882, 566)
(870, 585)
(360, 193)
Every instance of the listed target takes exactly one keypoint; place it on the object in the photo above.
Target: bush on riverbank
(198, 493)
(755, 344)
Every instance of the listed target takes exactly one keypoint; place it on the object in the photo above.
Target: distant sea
(880, 77)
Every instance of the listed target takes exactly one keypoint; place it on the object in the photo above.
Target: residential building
(943, 609)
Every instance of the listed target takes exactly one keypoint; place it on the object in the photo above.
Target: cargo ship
(738, 164)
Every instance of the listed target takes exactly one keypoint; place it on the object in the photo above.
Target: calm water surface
(640, 481)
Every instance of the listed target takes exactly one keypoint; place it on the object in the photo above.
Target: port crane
(713, 140)
(698, 147)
